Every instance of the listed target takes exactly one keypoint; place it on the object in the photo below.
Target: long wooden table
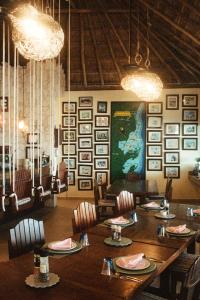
(80, 273)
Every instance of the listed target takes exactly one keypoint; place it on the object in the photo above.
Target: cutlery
(127, 277)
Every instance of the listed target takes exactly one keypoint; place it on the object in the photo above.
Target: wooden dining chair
(132, 176)
(24, 236)
(43, 191)
(84, 217)
(166, 195)
(125, 202)
(60, 183)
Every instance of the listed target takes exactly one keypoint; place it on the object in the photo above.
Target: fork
(118, 275)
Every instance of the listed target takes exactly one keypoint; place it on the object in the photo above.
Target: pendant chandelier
(36, 35)
(145, 84)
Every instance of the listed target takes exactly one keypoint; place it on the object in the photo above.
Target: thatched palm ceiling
(99, 44)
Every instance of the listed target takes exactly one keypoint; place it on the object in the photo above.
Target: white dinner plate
(63, 249)
(186, 231)
(143, 264)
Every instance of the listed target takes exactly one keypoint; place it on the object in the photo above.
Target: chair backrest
(84, 216)
(125, 202)
(23, 184)
(193, 275)
(62, 172)
(46, 178)
(132, 176)
(168, 189)
(24, 236)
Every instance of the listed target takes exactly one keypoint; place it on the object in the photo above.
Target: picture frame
(28, 153)
(101, 135)
(71, 177)
(86, 101)
(154, 136)
(190, 115)
(85, 184)
(172, 102)
(172, 143)
(154, 164)
(101, 163)
(154, 121)
(72, 149)
(189, 144)
(85, 156)
(154, 108)
(69, 135)
(33, 138)
(190, 100)
(4, 104)
(101, 177)
(154, 150)
(85, 128)
(172, 157)
(72, 162)
(85, 142)
(69, 121)
(101, 149)
(102, 107)
(189, 129)
(69, 108)
(102, 121)
(172, 172)
(85, 170)
(85, 114)
(172, 128)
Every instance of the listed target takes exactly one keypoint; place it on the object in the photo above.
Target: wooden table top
(80, 273)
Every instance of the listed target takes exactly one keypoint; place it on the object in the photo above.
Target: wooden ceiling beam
(169, 21)
(192, 8)
(91, 11)
(83, 51)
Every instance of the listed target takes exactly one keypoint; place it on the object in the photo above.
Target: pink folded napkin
(152, 204)
(196, 211)
(177, 229)
(131, 261)
(119, 220)
(61, 245)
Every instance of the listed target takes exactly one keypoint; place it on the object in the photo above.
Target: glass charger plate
(71, 251)
(130, 222)
(150, 269)
(33, 282)
(151, 207)
(192, 232)
(144, 264)
(123, 243)
(169, 216)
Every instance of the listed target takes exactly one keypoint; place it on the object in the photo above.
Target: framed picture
(189, 128)
(154, 122)
(102, 121)
(172, 171)
(85, 170)
(102, 107)
(70, 162)
(71, 148)
(85, 142)
(85, 114)
(84, 184)
(69, 135)
(172, 158)
(154, 108)
(172, 128)
(190, 115)
(33, 138)
(68, 121)
(85, 156)
(71, 177)
(69, 107)
(29, 152)
(189, 143)
(85, 101)
(101, 135)
(154, 150)
(101, 177)
(5, 102)
(172, 102)
(101, 149)
(190, 100)
(171, 143)
(154, 164)
(85, 128)
(154, 136)
(101, 163)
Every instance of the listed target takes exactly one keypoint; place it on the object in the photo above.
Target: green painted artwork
(127, 139)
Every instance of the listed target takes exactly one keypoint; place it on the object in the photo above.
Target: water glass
(106, 270)
(84, 239)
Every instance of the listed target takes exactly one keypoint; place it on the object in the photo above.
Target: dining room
(99, 149)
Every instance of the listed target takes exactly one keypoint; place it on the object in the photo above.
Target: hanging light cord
(147, 61)
(138, 56)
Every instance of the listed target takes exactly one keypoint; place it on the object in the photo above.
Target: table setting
(66, 247)
(152, 206)
(120, 221)
(179, 231)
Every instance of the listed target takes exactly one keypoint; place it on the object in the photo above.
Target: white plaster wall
(182, 188)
